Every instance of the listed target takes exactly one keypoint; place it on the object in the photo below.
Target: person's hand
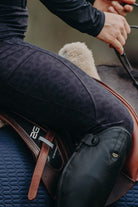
(114, 6)
(115, 31)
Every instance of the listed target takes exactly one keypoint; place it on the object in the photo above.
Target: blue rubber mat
(16, 168)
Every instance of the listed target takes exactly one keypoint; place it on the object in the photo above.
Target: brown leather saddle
(52, 153)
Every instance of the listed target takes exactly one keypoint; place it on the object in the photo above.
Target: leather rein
(124, 59)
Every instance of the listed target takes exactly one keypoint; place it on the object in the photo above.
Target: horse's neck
(116, 77)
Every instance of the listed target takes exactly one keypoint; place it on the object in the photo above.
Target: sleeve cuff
(100, 26)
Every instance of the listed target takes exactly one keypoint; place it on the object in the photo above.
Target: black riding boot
(91, 172)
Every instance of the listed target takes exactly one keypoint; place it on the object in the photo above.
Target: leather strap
(19, 3)
(39, 168)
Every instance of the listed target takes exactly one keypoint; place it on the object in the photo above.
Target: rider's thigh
(45, 87)
(51, 90)
(110, 111)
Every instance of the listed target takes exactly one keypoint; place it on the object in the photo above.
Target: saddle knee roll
(91, 172)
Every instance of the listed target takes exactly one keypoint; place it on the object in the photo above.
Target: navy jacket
(80, 14)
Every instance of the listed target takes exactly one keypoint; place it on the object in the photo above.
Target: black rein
(124, 60)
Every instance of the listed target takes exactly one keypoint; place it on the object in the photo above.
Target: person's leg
(51, 90)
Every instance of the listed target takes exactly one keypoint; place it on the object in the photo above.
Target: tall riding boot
(91, 172)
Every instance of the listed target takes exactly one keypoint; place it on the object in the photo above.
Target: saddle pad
(130, 199)
(16, 169)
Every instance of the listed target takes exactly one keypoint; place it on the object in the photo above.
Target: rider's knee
(126, 121)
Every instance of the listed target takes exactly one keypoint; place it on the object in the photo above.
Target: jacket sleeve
(79, 14)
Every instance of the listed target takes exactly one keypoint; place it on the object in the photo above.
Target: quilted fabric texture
(16, 168)
(130, 199)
